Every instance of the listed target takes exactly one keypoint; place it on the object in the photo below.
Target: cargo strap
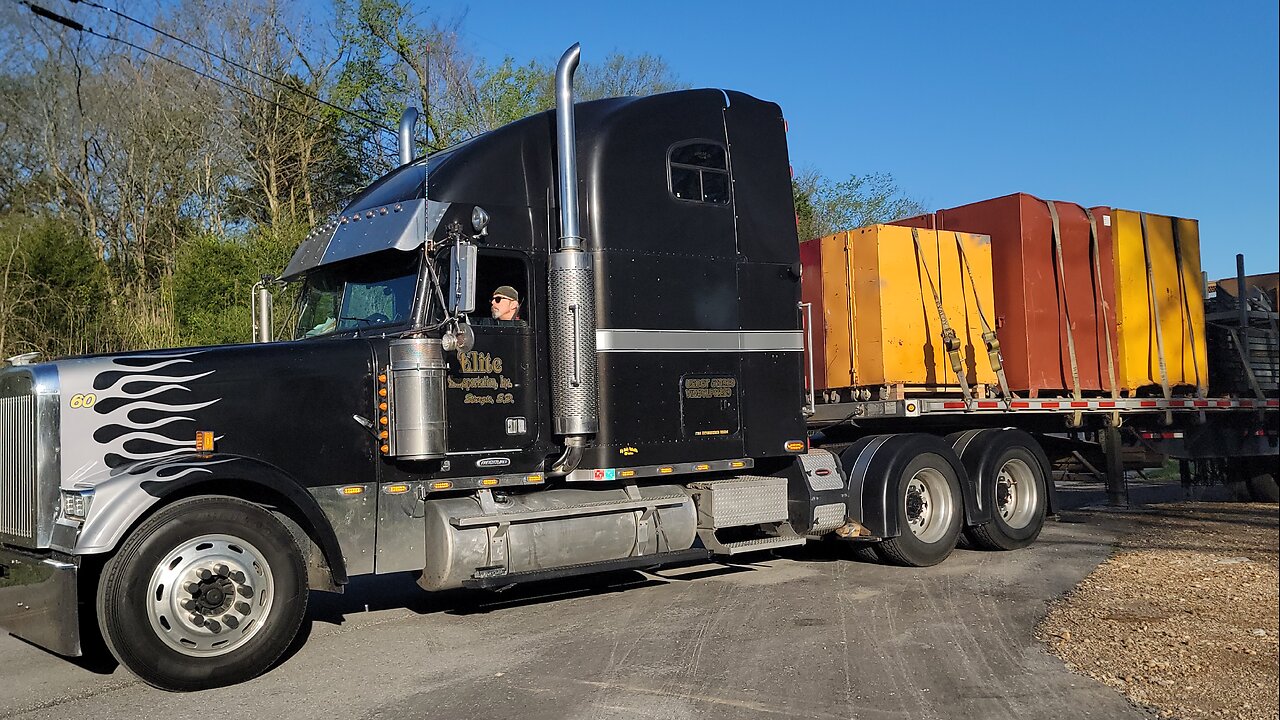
(1096, 253)
(848, 297)
(1154, 306)
(1077, 417)
(988, 333)
(1186, 309)
(949, 338)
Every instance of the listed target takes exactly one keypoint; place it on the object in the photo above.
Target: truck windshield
(371, 291)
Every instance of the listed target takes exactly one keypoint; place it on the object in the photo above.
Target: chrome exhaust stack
(571, 279)
(408, 121)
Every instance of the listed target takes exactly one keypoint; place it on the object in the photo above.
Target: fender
(872, 462)
(125, 495)
(977, 450)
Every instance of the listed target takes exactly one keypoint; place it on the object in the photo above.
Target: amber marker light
(382, 406)
(666, 470)
(441, 485)
(737, 464)
(352, 490)
(204, 441)
(382, 392)
(626, 473)
(386, 449)
(533, 479)
(489, 482)
(702, 466)
(795, 446)
(397, 489)
(382, 378)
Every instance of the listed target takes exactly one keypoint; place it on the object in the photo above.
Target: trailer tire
(1263, 488)
(929, 505)
(209, 591)
(1011, 469)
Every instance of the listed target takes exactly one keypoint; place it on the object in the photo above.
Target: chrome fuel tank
(485, 536)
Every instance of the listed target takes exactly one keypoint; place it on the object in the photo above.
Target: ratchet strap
(1078, 416)
(988, 333)
(949, 339)
(1102, 307)
(1185, 310)
(1154, 306)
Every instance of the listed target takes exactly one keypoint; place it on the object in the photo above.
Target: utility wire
(233, 63)
(78, 27)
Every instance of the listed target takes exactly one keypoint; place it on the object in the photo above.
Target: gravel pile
(1183, 618)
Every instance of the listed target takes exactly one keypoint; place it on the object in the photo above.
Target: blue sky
(1168, 107)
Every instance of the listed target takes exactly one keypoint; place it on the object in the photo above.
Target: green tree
(824, 206)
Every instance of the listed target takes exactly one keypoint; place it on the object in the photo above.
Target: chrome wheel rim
(1017, 494)
(928, 504)
(210, 595)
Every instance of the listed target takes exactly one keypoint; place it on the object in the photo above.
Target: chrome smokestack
(408, 120)
(572, 288)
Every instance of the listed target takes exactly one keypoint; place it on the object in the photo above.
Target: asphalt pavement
(807, 633)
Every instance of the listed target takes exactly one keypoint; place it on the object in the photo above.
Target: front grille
(18, 467)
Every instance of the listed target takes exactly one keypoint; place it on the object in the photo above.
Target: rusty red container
(1037, 307)
(811, 292)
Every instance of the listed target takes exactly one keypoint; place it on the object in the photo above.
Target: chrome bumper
(38, 599)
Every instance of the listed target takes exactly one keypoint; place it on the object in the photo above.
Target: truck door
(491, 393)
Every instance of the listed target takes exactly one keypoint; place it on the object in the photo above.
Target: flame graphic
(159, 432)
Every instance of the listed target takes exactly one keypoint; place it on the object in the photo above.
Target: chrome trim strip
(629, 340)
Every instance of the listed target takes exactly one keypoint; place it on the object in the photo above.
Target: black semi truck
(570, 345)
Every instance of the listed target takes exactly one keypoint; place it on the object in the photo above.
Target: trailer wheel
(208, 592)
(929, 511)
(1011, 471)
(1263, 488)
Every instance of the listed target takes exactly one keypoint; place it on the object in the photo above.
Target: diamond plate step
(739, 502)
(786, 537)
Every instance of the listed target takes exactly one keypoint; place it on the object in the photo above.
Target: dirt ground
(1183, 618)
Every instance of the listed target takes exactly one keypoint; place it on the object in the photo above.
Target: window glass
(699, 172)
(366, 292)
(509, 273)
(704, 155)
(684, 183)
(715, 187)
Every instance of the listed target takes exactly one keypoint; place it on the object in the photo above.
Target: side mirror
(462, 278)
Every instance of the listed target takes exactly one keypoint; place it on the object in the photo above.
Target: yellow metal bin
(881, 318)
(1159, 301)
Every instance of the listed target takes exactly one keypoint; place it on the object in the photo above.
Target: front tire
(209, 591)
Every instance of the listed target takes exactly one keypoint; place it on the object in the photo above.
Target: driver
(505, 304)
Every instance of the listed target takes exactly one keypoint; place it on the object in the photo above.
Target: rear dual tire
(1011, 474)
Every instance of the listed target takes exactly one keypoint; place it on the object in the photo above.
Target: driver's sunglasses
(497, 298)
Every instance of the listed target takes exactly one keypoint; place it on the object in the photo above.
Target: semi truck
(573, 344)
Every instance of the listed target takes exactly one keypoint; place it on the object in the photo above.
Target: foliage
(141, 202)
(824, 206)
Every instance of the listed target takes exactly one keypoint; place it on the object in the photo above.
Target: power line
(78, 27)
(238, 65)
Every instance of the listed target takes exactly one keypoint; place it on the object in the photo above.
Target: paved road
(805, 635)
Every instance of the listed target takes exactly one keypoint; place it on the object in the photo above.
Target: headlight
(75, 504)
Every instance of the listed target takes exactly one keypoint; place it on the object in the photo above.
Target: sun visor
(400, 225)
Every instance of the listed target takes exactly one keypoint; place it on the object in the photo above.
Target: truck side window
(699, 172)
(509, 273)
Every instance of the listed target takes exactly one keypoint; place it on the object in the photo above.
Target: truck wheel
(929, 513)
(1010, 468)
(208, 592)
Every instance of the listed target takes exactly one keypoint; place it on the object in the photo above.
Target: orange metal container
(1159, 300)
(880, 320)
(1045, 305)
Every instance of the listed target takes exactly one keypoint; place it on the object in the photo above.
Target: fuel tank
(475, 537)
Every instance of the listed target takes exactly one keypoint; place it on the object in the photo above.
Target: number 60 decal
(83, 400)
